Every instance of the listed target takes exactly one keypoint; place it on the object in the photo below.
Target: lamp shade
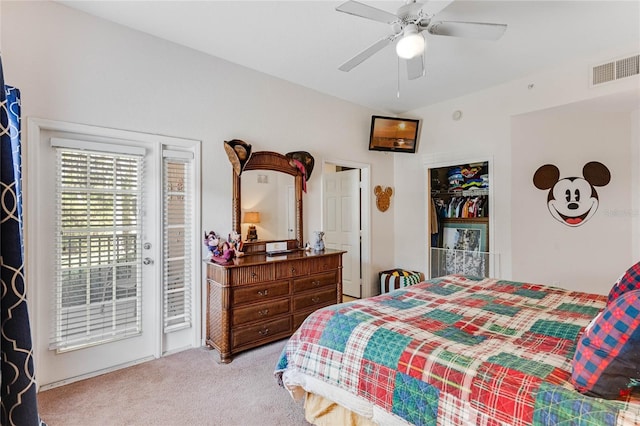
(411, 44)
(251, 217)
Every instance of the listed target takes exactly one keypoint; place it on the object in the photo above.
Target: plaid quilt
(456, 350)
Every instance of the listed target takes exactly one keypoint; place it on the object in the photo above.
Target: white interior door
(341, 224)
(291, 213)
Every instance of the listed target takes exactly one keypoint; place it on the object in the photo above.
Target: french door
(106, 293)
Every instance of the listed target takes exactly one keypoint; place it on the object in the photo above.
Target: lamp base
(252, 233)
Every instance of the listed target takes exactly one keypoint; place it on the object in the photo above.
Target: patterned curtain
(19, 405)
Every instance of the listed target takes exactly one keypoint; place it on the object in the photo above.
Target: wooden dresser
(258, 299)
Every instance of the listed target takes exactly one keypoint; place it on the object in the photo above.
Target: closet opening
(458, 220)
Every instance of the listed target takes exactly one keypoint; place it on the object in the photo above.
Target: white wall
(73, 67)
(485, 130)
(589, 257)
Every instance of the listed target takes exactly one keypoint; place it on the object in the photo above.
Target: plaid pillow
(607, 359)
(630, 280)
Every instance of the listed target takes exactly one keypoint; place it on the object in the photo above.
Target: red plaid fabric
(630, 280)
(608, 353)
(505, 394)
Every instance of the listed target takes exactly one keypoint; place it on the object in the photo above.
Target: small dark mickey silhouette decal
(572, 200)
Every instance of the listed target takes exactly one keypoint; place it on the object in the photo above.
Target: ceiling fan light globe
(410, 46)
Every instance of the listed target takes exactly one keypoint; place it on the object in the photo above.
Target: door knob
(147, 261)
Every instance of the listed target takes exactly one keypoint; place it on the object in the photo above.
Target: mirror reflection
(271, 195)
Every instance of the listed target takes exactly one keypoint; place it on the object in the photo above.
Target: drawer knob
(315, 299)
(293, 270)
(315, 283)
(263, 292)
(254, 275)
(263, 332)
(263, 312)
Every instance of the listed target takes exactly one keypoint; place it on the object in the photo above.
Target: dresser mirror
(271, 195)
(270, 186)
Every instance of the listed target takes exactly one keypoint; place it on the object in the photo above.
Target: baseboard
(93, 374)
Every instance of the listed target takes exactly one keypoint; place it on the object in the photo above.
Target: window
(178, 239)
(98, 273)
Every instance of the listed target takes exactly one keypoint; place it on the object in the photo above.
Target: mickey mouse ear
(305, 158)
(238, 152)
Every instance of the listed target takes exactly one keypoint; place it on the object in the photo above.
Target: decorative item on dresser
(257, 299)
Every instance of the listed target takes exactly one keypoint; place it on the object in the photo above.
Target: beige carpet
(187, 388)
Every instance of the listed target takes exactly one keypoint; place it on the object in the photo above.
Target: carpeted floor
(187, 388)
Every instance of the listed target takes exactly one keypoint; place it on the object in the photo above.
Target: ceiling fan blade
(415, 67)
(366, 53)
(481, 30)
(364, 11)
(433, 7)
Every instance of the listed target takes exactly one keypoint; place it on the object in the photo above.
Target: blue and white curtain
(19, 405)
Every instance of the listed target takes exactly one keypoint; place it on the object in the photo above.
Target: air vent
(616, 70)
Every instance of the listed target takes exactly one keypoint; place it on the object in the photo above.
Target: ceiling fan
(408, 24)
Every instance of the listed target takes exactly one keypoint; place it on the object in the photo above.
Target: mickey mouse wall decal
(572, 200)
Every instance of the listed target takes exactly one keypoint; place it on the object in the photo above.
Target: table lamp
(252, 218)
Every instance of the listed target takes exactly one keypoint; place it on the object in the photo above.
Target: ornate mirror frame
(268, 160)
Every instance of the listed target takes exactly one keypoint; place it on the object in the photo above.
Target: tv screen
(393, 134)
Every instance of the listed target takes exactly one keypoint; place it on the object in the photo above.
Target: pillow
(630, 280)
(607, 358)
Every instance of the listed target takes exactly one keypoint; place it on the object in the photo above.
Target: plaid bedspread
(456, 350)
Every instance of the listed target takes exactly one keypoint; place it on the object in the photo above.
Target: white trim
(444, 159)
(38, 124)
(93, 374)
(172, 153)
(369, 287)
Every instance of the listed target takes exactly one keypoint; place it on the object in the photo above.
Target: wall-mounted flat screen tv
(393, 134)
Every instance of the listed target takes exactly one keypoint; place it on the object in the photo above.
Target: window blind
(178, 239)
(98, 291)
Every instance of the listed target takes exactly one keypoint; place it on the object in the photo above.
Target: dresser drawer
(252, 274)
(261, 312)
(315, 281)
(256, 293)
(317, 299)
(251, 334)
(290, 269)
(324, 263)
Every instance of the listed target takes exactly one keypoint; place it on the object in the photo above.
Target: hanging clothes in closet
(462, 206)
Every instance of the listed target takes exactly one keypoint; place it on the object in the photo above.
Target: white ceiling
(304, 42)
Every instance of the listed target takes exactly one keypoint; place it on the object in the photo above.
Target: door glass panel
(98, 285)
(178, 212)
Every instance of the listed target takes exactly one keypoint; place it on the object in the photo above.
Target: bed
(456, 350)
